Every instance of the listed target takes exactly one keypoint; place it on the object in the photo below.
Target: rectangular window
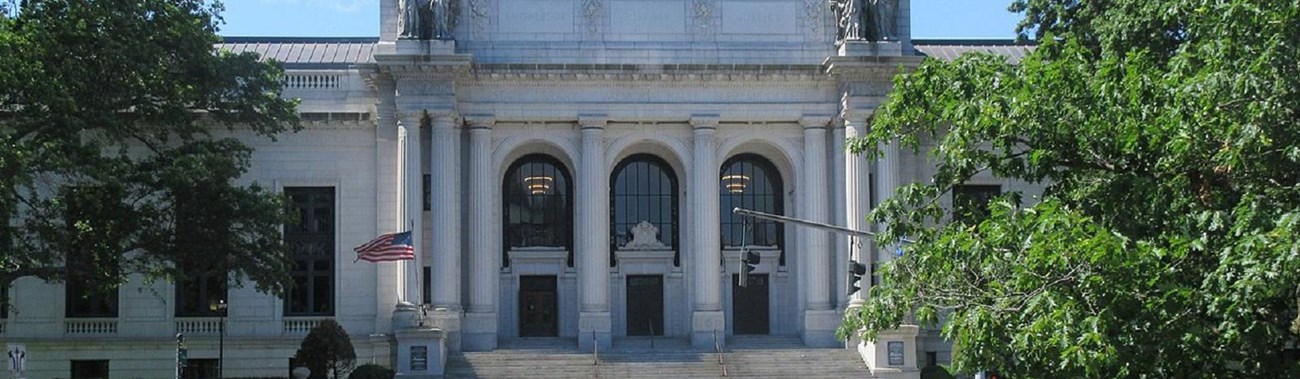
(428, 203)
(4, 301)
(92, 253)
(311, 242)
(96, 369)
(970, 202)
(198, 295)
(200, 369)
(428, 277)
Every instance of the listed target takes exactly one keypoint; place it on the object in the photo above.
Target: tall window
(643, 188)
(311, 241)
(970, 203)
(200, 231)
(538, 205)
(94, 249)
(750, 181)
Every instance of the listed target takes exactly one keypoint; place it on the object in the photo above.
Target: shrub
(327, 349)
(371, 371)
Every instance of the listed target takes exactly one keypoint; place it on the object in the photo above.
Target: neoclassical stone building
(568, 166)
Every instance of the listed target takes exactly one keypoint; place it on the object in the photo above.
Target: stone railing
(301, 325)
(313, 81)
(90, 326)
(198, 325)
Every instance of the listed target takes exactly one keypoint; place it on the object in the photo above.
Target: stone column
(388, 191)
(594, 317)
(820, 318)
(887, 181)
(481, 320)
(839, 242)
(706, 249)
(413, 204)
(857, 189)
(444, 225)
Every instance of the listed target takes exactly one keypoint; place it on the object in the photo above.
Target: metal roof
(335, 53)
(306, 52)
(949, 50)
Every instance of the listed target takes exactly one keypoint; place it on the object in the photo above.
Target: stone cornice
(865, 68)
(648, 72)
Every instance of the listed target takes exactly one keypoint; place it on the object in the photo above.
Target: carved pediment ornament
(645, 236)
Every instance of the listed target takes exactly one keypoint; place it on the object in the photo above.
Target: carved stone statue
(871, 20)
(884, 15)
(444, 18)
(645, 236)
(410, 22)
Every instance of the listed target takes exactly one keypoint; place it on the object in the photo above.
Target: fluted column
(481, 320)
(412, 203)
(593, 209)
(388, 161)
(886, 183)
(445, 219)
(815, 196)
(839, 243)
(820, 319)
(706, 241)
(857, 187)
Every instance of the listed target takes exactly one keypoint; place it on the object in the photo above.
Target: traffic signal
(748, 262)
(856, 271)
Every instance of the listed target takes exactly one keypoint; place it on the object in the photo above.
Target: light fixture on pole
(220, 306)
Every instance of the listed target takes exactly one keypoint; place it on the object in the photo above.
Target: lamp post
(220, 306)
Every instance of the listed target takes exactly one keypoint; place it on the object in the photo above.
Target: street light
(220, 306)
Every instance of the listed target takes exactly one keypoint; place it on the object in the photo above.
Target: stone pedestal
(421, 353)
(424, 47)
(871, 48)
(819, 328)
(704, 326)
(599, 324)
(405, 315)
(449, 323)
(893, 354)
(480, 332)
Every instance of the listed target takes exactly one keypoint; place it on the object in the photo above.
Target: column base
(819, 328)
(480, 332)
(449, 321)
(705, 325)
(421, 353)
(597, 324)
(893, 354)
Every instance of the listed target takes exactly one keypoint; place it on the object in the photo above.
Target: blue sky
(359, 18)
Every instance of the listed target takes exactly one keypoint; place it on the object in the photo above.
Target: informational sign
(17, 359)
(419, 358)
(895, 353)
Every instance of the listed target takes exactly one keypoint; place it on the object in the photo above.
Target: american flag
(387, 248)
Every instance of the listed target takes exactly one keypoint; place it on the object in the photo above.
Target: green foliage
(1167, 242)
(371, 371)
(128, 98)
(327, 349)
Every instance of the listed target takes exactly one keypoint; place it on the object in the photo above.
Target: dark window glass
(4, 301)
(750, 181)
(93, 220)
(643, 188)
(97, 369)
(426, 290)
(197, 294)
(311, 241)
(538, 206)
(970, 203)
(200, 369)
(428, 204)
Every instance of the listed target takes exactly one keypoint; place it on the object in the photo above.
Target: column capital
(443, 115)
(814, 121)
(704, 121)
(592, 121)
(480, 121)
(857, 115)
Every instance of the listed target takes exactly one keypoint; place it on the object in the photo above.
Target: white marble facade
(587, 83)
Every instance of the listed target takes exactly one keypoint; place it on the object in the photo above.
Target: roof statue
(870, 20)
(426, 19)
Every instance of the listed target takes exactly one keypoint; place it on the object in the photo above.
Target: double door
(645, 305)
(538, 307)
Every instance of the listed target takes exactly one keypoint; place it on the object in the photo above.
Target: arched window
(643, 188)
(538, 207)
(750, 181)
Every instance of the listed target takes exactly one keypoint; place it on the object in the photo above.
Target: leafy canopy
(108, 115)
(327, 349)
(1167, 241)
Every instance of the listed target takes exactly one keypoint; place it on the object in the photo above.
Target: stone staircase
(745, 357)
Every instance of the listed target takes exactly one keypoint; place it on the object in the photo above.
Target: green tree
(371, 371)
(1166, 243)
(327, 349)
(111, 122)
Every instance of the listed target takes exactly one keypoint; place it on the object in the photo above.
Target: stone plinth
(819, 328)
(599, 324)
(893, 354)
(705, 326)
(871, 48)
(421, 353)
